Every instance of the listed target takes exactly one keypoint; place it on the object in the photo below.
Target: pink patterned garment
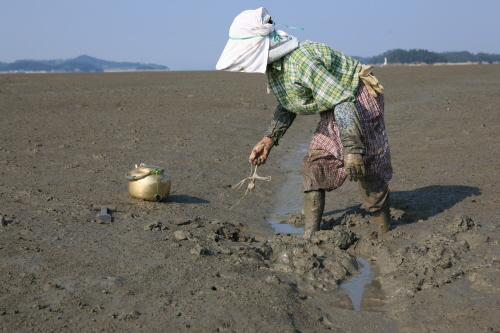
(377, 158)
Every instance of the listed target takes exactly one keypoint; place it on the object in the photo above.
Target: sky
(191, 34)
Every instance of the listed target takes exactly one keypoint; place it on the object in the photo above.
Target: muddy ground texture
(197, 262)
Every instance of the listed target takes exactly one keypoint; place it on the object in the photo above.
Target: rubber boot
(382, 219)
(315, 203)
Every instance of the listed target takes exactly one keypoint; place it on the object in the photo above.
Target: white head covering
(248, 47)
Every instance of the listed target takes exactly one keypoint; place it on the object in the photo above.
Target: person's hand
(354, 166)
(261, 150)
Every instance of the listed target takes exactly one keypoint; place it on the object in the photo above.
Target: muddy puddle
(289, 199)
(361, 291)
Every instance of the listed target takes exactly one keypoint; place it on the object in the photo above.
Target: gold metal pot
(149, 183)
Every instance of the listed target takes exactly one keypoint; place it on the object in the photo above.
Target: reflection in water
(363, 290)
(284, 228)
(356, 284)
(373, 297)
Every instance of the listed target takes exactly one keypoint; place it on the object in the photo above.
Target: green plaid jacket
(313, 78)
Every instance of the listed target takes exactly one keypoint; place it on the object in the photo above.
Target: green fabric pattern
(314, 78)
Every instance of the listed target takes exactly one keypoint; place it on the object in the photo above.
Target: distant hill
(83, 63)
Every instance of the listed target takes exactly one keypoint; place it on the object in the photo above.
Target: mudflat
(200, 262)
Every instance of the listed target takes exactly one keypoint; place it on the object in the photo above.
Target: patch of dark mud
(207, 236)
(319, 264)
(417, 258)
(420, 263)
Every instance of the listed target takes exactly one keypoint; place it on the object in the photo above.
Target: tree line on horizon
(414, 56)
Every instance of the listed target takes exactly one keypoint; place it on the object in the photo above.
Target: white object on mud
(251, 182)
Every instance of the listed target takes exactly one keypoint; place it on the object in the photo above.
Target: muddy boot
(382, 218)
(315, 203)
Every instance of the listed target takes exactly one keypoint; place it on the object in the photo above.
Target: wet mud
(198, 262)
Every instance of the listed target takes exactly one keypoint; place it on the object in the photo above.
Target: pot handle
(136, 177)
(151, 172)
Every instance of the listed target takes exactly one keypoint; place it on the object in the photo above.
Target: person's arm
(349, 125)
(347, 119)
(282, 120)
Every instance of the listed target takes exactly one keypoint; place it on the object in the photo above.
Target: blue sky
(191, 34)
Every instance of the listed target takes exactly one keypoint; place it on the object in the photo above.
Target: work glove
(354, 166)
(370, 81)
